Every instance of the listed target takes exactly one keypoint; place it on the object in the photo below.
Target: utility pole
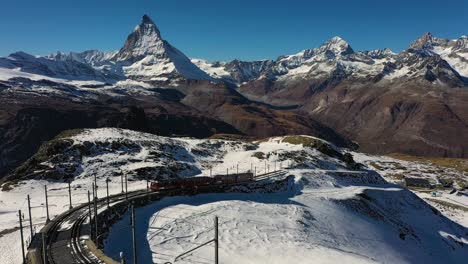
(90, 216)
(46, 204)
(126, 188)
(69, 194)
(216, 242)
(96, 222)
(147, 183)
(30, 218)
(94, 193)
(44, 246)
(107, 191)
(134, 235)
(121, 182)
(237, 171)
(22, 238)
(227, 171)
(95, 183)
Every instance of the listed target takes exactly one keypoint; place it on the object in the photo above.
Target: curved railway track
(66, 235)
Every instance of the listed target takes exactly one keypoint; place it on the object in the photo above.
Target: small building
(417, 182)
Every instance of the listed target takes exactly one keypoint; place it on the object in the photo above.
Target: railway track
(66, 235)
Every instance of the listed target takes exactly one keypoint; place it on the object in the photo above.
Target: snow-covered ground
(111, 153)
(323, 219)
(332, 214)
(445, 200)
(14, 200)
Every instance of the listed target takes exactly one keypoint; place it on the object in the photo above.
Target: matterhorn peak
(148, 27)
(146, 20)
(147, 56)
(144, 40)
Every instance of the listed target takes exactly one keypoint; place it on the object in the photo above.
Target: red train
(195, 182)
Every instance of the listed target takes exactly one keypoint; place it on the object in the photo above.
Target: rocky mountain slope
(411, 102)
(108, 152)
(148, 85)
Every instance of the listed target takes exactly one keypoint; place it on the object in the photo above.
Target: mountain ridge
(384, 101)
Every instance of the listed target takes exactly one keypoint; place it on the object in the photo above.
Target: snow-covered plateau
(334, 210)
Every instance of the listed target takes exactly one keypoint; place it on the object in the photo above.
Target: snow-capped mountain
(147, 56)
(455, 51)
(97, 59)
(20, 64)
(235, 71)
(313, 80)
(335, 59)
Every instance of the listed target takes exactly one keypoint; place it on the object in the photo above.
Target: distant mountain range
(413, 102)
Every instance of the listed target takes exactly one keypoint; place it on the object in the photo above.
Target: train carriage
(195, 182)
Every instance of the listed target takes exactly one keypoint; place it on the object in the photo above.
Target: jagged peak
(147, 20)
(144, 40)
(337, 39)
(337, 45)
(148, 27)
(426, 41)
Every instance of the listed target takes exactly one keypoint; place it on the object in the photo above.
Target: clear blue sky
(227, 29)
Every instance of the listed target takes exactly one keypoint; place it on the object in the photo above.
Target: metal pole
(126, 187)
(107, 192)
(251, 167)
(22, 238)
(227, 171)
(44, 246)
(30, 218)
(46, 204)
(147, 183)
(69, 194)
(255, 171)
(90, 216)
(134, 235)
(216, 239)
(94, 193)
(237, 169)
(96, 223)
(95, 183)
(121, 182)
(210, 172)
